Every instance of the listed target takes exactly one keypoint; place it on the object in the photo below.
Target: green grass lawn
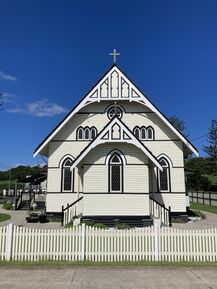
(115, 263)
(205, 208)
(4, 217)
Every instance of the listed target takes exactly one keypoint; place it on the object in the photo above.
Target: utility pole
(15, 194)
(9, 181)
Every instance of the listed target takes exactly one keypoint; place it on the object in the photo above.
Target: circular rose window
(115, 111)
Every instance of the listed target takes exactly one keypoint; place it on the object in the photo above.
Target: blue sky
(52, 52)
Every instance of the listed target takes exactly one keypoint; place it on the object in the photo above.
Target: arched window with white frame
(80, 133)
(164, 176)
(150, 133)
(143, 133)
(93, 132)
(136, 132)
(86, 133)
(67, 175)
(115, 174)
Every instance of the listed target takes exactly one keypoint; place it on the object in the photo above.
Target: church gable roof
(116, 131)
(114, 85)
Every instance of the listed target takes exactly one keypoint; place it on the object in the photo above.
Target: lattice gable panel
(115, 132)
(114, 86)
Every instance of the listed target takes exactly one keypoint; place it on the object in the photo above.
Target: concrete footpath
(107, 277)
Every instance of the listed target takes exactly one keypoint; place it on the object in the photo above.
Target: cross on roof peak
(114, 54)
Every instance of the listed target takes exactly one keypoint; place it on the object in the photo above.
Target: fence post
(170, 217)
(62, 216)
(9, 241)
(210, 201)
(83, 236)
(156, 227)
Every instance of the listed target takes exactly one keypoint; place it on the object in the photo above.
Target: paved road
(209, 222)
(107, 278)
(19, 218)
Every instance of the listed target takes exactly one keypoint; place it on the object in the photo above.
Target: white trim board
(115, 85)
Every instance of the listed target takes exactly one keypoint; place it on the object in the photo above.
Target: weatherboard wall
(137, 176)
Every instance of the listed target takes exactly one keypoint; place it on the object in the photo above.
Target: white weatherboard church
(116, 158)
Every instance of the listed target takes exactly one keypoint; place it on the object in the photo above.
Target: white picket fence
(88, 243)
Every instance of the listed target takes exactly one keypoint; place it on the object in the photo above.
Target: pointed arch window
(143, 133)
(164, 176)
(87, 133)
(136, 132)
(115, 174)
(93, 132)
(150, 133)
(80, 133)
(67, 176)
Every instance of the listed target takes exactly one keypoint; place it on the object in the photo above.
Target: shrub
(7, 206)
(99, 226)
(196, 213)
(122, 226)
(87, 223)
(69, 225)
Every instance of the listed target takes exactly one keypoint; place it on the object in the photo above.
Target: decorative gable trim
(115, 85)
(116, 131)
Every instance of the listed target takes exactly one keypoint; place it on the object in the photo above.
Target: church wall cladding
(117, 205)
(176, 201)
(135, 171)
(54, 201)
(162, 133)
(135, 114)
(96, 114)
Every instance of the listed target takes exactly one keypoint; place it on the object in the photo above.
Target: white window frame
(82, 132)
(141, 129)
(139, 132)
(110, 173)
(91, 130)
(168, 170)
(63, 175)
(152, 131)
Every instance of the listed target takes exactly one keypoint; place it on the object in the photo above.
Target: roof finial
(114, 54)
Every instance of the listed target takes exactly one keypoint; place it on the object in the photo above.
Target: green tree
(204, 166)
(198, 182)
(179, 124)
(20, 172)
(211, 149)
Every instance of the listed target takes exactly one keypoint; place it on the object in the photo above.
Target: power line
(199, 137)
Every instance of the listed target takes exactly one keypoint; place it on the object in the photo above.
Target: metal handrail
(162, 212)
(66, 209)
(18, 200)
(72, 204)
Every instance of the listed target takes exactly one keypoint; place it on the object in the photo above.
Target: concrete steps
(24, 206)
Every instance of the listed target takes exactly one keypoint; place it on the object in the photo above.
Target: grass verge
(120, 263)
(205, 208)
(4, 217)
